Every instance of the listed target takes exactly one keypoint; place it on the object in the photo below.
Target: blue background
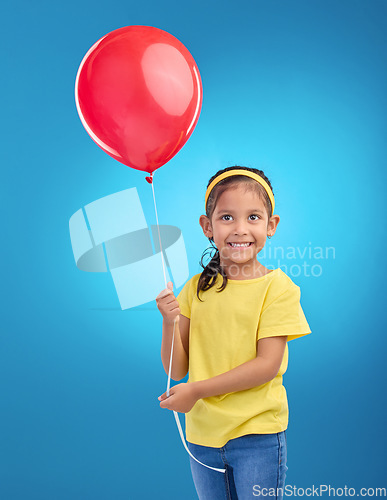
(297, 88)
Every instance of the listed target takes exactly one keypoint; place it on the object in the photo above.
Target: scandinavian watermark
(307, 261)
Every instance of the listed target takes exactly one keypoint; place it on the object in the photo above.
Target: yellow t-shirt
(224, 330)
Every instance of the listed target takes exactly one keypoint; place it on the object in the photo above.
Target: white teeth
(240, 244)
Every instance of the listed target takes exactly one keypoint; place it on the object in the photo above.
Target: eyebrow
(257, 210)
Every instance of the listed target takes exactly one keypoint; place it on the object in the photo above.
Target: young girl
(232, 325)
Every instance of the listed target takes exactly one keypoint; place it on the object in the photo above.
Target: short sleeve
(186, 297)
(283, 316)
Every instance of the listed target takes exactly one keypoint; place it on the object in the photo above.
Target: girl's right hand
(168, 304)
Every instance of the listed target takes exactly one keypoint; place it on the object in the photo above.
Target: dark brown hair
(211, 270)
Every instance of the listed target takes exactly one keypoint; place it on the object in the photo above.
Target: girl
(232, 325)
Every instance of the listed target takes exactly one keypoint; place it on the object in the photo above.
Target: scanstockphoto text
(320, 490)
(308, 261)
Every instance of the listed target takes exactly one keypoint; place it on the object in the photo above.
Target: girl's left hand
(181, 398)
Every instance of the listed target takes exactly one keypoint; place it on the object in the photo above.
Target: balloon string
(165, 280)
(171, 355)
(158, 230)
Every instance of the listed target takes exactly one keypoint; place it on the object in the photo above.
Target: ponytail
(210, 271)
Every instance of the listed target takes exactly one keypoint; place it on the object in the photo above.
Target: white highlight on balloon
(198, 103)
(168, 78)
(100, 143)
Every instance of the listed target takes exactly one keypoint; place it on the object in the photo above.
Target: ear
(272, 224)
(205, 223)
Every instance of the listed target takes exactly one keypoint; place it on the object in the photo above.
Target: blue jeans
(255, 466)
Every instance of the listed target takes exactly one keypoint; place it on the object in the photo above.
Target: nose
(240, 227)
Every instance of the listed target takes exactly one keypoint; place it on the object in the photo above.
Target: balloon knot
(150, 178)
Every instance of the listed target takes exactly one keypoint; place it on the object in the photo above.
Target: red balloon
(139, 94)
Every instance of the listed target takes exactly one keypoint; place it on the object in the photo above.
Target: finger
(164, 293)
(169, 299)
(162, 397)
(170, 285)
(175, 311)
(164, 404)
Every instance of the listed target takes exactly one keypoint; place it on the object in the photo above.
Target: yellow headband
(247, 173)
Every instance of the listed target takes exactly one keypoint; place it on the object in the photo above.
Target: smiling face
(239, 227)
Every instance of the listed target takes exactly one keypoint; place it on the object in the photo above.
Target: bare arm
(169, 308)
(251, 374)
(180, 356)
